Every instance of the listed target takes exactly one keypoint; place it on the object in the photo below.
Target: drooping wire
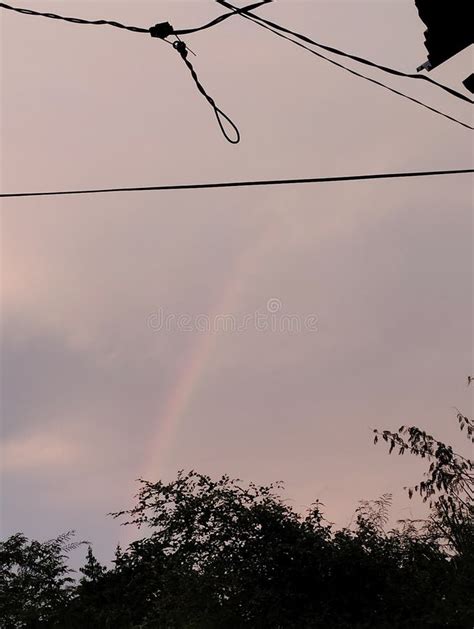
(276, 29)
(241, 184)
(162, 31)
(180, 46)
(421, 77)
(263, 24)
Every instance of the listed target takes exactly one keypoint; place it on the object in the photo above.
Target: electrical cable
(157, 31)
(336, 51)
(134, 29)
(162, 31)
(74, 20)
(180, 46)
(241, 184)
(221, 18)
(256, 20)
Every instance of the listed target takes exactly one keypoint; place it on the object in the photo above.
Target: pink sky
(92, 396)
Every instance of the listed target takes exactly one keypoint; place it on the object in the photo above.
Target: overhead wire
(265, 24)
(221, 18)
(245, 11)
(73, 20)
(133, 29)
(268, 25)
(161, 31)
(241, 184)
(421, 77)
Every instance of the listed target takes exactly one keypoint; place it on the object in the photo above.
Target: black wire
(74, 20)
(241, 184)
(256, 20)
(134, 29)
(274, 28)
(179, 45)
(244, 11)
(336, 51)
(181, 48)
(221, 18)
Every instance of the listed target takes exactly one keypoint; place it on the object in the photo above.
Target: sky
(259, 332)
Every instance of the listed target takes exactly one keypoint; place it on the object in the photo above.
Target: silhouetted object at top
(449, 30)
(469, 83)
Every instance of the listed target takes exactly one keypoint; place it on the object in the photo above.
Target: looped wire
(180, 46)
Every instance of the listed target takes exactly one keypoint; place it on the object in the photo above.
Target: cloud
(41, 452)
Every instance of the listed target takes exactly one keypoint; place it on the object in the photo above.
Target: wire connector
(161, 30)
(180, 46)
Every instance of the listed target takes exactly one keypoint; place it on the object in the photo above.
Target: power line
(245, 12)
(421, 77)
(162, 31)
(242, 184)
(74, 20)
(221, 18)
(264, 24)
(134, 29)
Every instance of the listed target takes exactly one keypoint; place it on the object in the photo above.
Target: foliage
(218, 554)
(448, 487)
(35, 586)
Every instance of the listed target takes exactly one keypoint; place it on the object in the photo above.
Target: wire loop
(164, 29)
(180, 46)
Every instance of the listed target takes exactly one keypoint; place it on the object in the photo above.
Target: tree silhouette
(35, 586)
(218, 554)
(448, 488)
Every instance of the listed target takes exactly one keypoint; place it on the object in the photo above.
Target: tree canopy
(218, 553)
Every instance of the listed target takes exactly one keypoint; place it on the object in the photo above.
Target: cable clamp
(161, 30)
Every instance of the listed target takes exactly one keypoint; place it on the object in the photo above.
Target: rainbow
(188, 380)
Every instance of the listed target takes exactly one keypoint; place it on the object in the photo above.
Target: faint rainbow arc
(187, 381)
